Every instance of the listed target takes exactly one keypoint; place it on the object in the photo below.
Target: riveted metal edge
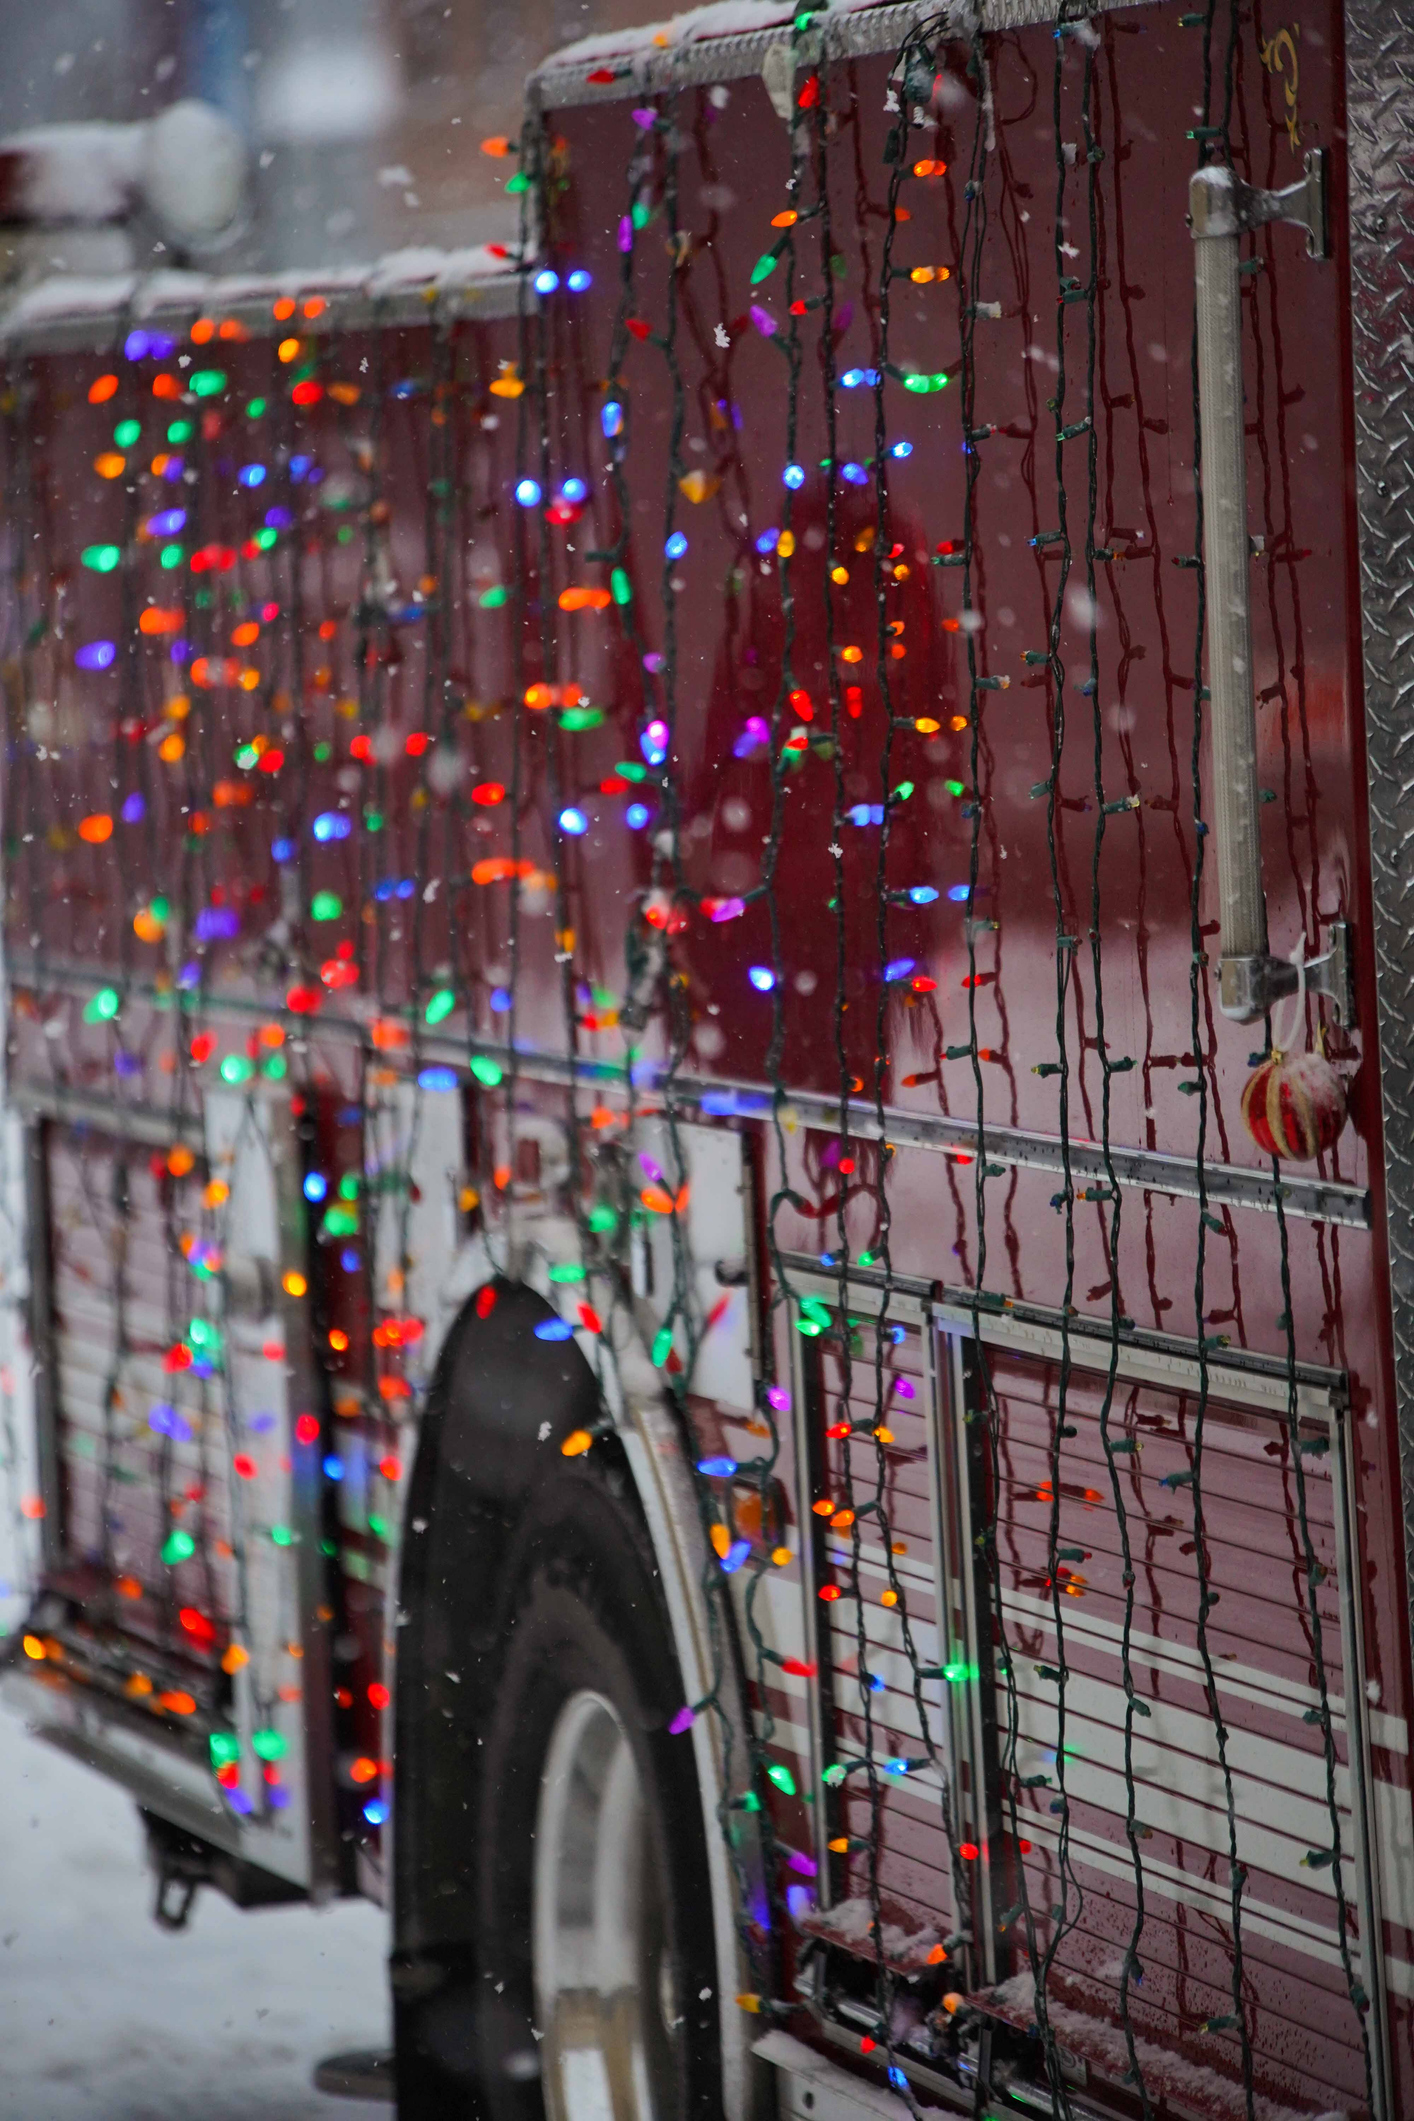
(1380, 117)
(641, 68)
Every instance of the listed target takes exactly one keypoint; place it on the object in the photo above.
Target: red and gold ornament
(1294, 1105)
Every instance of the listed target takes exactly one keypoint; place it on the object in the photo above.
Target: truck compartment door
(179, 1637)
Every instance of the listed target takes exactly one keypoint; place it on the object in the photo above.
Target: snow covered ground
(104, 2017)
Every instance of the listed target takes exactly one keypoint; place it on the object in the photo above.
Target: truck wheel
(596, 1901)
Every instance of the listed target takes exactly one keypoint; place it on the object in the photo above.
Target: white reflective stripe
(1274, 1829)
(1176, 1660)
(908, 1568)
(1207, 1896)
(1172, 1741)
(791, 1741)
(893, 1667)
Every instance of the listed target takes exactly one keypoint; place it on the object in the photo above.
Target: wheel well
(500, 1405)
(502, 1402)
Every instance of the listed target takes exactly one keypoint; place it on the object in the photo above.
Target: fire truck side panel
(370, 783)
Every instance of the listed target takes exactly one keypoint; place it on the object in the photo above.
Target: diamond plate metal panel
(1380, 91)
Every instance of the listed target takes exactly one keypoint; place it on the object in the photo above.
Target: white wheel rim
(602, 1987)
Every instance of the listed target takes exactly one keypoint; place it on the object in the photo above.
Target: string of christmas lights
(397, 763)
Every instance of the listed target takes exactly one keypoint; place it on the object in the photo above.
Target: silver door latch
(1221, 204)
(1251, 984)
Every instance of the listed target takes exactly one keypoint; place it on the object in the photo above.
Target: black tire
(589, 1615)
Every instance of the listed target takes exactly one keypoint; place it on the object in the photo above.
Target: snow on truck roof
(728, 40)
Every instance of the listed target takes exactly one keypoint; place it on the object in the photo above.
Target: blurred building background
(362, 118)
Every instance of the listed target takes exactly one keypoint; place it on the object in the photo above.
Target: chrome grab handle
(1221, 209)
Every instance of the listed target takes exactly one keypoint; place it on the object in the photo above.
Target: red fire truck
(708, 949)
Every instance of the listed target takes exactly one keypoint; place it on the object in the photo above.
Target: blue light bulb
(793, 476)
(573, 821)
(528, 493)
(578, 280)
(762, 978)
(575, 491)
(676, 546)
(546, 280)
(316, 1185)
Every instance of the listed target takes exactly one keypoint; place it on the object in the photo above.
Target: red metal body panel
(399, 632)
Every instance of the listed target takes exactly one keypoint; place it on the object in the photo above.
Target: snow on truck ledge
(851, 1923)
(71, 298)
(1191, 2086)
